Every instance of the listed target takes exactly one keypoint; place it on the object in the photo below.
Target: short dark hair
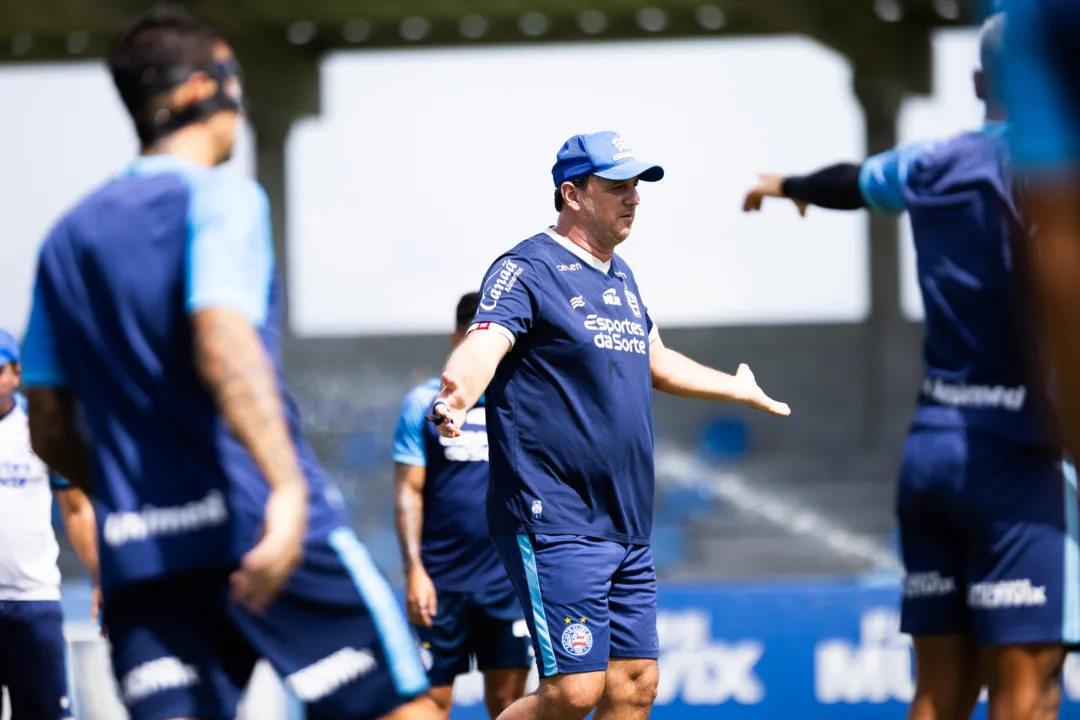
(466, 310)
(579, 182)
(154, 53)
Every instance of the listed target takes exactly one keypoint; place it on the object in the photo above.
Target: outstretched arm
(876, 184)
(468, 372)
(675, 374)
(835, 187)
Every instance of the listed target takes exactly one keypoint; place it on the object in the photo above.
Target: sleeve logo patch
(501, 282)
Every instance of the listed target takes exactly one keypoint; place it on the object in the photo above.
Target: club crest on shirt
(632, 301)
(537, 509)
(577, 639)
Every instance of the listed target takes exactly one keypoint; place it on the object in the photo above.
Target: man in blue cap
(32, 648)
(565, 348)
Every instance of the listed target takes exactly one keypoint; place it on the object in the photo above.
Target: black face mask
(229, 97)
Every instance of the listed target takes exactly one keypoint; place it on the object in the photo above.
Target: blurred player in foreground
(458, 594)
(571, 355)
(988, 520)
(1041, 89)
(156, 310)
(32, 648)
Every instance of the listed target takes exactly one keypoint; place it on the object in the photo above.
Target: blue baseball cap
(604, 154)
(9, 348)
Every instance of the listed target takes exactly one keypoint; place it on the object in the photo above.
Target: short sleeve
(883, 177)
(509, 298)
(409, 434)
(41, 365)
(231, 248)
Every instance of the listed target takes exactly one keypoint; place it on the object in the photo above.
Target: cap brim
(632, 169)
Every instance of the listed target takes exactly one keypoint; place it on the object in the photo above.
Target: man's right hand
(421, 603)
(451, 406)
(769, 185)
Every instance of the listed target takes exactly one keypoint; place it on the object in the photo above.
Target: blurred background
(406, 143)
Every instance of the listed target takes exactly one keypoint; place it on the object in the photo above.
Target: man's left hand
(754, 396)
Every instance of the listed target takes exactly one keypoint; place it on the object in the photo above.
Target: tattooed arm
(409, 504)
(410, 476)
(237, 370)
(420, 598)
(230, 275)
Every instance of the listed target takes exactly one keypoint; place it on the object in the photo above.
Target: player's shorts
(1040, 81)
(585, 600)
(988, 533)
(32, 659)
(488, 626)
(182, 649)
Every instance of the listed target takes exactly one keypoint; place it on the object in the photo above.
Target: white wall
(426, 164)
(431, 163)
(63, 131)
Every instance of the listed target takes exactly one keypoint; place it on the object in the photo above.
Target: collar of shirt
(583, 254)
(155, 164)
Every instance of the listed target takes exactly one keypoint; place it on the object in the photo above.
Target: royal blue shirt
(117, 280)
(456, 547)
(569, 411)
(978, 350)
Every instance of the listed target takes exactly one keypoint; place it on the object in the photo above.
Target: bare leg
(629, 690)
(947, 678)
(502, 687)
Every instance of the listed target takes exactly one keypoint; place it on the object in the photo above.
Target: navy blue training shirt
(959, 196)
(117, 279)
(569, 411)
(456, 547)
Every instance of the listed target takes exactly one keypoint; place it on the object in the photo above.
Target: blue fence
(808, 650)
(828, 650)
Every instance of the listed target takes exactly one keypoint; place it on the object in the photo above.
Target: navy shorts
(585, 600)
(988, 532)
(182, 648)
(32, 652)
(489, 627)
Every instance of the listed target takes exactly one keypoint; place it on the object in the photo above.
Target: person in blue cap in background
(564, 346)
(31, 623)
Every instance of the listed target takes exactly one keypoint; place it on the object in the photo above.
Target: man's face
(9, 380)
(608, 207)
